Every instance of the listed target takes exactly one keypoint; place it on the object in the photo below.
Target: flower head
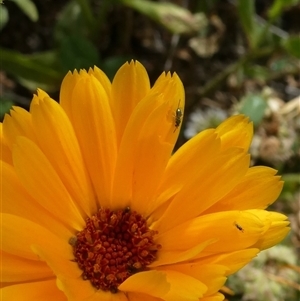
(96, 207)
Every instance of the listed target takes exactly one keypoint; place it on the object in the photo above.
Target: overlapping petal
(43, 183)
(45, 290)
(5, 151)
(130, 85)
(109, 145)
(18, 123)
(23, 205)
(227, 166)
(90, 105)
(236, 131)
(145, 148)
(233, 260)
(27, 270)
(221, 226)
(258, 189)
(19, 235)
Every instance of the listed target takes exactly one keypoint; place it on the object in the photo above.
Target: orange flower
(95, 207)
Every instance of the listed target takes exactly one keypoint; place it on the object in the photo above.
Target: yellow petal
(211, 275)
(214, 297)
(185, 163)
(142, 158)
(236, 131)
(94, 127)
(171, 257)
(18, 269)
(66, 92)
(62, 150)
(70, 280)
(146, 146)
(242, 227)
(102, 78)
(277, 230)
(18, 123)
(77, 289)
(128, 151)
(274, 235)
(80, 290)
(205, 188)
(143, 297)
(61, 265)
(34, 291)
(5, 154)
(234, 261)
(24, 205)
(41, 94)
(258, 189)
(170, 88)
(152, 283)
(183, 287)
(130, 85)
(19, 234)
(43, 184)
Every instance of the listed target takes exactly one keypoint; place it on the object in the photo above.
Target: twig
(174, 43)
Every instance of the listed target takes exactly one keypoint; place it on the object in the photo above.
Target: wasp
(239, 227)
(178, 117)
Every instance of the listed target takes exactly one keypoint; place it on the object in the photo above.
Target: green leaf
(38, 68)
(279, 6)
(246, 11)
(292, 178)
(256, 34)
(77, 52)
(69, 22)
(254, 105)
(4, 17)
(291, 186)
(175, 18)
(5, 106)
(29, 9)
(292, 46)
(283, 64)
(257, 72)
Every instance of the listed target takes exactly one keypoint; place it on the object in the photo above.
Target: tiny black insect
(239, 227)
(127, 209)
(132, 270)
(114, 290)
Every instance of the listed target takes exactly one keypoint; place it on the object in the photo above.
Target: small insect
(127, 209)
(239, 227)
(132, 269)
(178, 117)
(73, 241)
(114, 290)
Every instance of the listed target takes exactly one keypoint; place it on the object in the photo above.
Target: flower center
(113, 246)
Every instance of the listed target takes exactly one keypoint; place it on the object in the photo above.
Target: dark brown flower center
(113, 246)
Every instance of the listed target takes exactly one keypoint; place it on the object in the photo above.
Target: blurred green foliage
(78, 25)
(27, 6)
(254, 106)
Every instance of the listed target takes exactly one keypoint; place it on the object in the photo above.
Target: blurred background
(233, 56)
